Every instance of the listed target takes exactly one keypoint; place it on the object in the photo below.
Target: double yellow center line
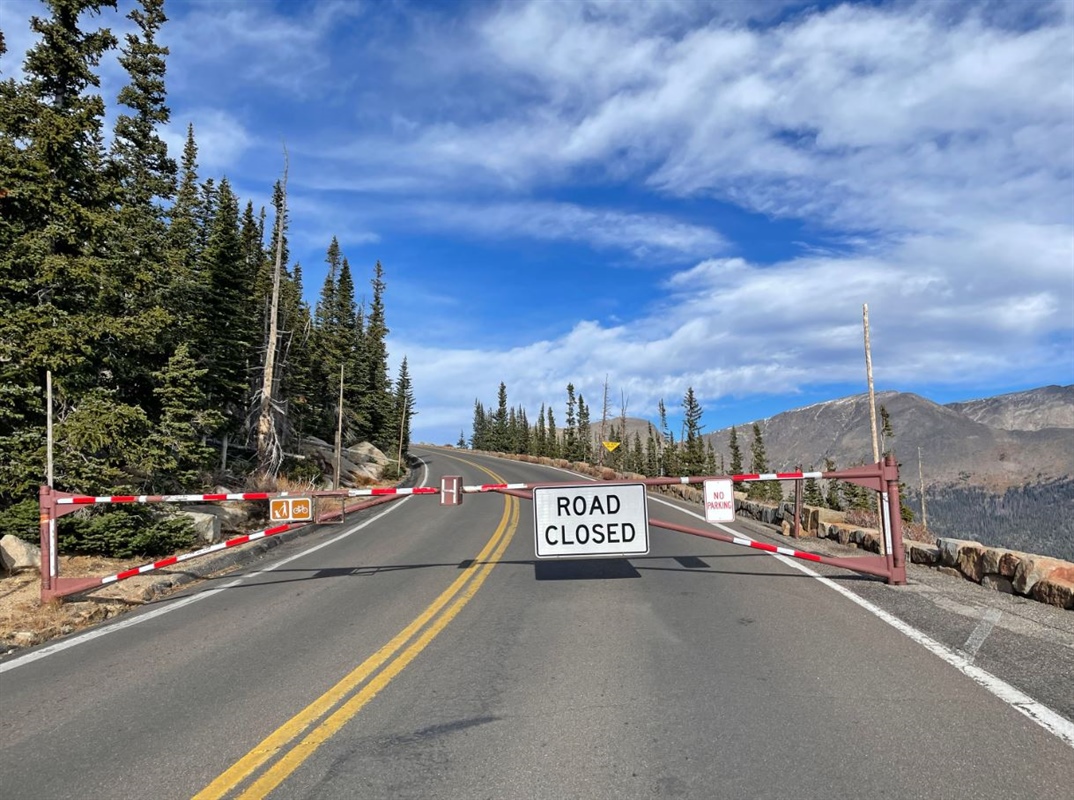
(298, 738)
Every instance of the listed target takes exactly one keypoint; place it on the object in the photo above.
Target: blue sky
(667, 194)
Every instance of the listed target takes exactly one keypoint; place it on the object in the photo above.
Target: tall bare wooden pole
(872, 412)
(48, 398)
(266, 439)
(339, 430)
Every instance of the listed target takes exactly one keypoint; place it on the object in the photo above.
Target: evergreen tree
(55, 223)
(540, 435)
(652, 455)
(144, 173)
(811, 493)
(230, 320)
(404, 408)
(887, 433)
(461, 444)
(183, 291)
(833, 497)
(178, 456)
(500, 434)
(570, 430)
(585, 437)
(694, 446)
(736, 452)
(637, 459)
(761, 490)
(479, 437)
(554, 449)
(372, 409)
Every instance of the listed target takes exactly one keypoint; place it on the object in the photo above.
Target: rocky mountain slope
(959, 444)
(999, 470)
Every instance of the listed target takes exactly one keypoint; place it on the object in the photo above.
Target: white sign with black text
(593, 520)
(720, 500)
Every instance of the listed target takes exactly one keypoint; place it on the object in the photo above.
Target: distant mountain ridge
(999, 470)
(995, 443)
(1033, 410)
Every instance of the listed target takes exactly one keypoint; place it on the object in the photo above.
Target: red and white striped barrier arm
(167, 562)
(392, 491)
(771, 548)
(494, 487)
(81, 500)
(775, 476)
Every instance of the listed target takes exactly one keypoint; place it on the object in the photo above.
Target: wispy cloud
(642, 235)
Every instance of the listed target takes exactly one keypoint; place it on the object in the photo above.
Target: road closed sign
(592, 520)
(719, 501)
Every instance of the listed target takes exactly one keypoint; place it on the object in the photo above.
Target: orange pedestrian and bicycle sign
(291, 509)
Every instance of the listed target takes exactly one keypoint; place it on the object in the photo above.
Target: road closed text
(572, 521)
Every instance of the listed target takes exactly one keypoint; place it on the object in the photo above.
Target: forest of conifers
(146, 290)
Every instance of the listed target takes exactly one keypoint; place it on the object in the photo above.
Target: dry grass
(25, 621)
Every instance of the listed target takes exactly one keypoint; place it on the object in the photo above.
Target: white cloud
(643, 235)
(942, 312)
(221, 138)
(854, 116)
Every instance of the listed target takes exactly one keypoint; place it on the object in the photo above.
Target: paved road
(423, 652)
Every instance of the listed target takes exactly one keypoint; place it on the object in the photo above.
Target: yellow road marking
(279, 739)
(298, 754)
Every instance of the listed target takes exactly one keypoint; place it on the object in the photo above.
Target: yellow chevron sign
(610, 446)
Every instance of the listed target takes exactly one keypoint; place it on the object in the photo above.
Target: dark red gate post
(52, 585)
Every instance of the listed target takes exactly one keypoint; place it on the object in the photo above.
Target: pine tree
(230, 322)
(584, 437)
(811, 493)
(759, 464)
(144, 173)
(500, 434)
(694, 446)
(736, 452)
(887, 433)
(479, 437)
(55, 223)
(833, 497)
(540, 435)
(373, 410)
(570, 430)
(554, 448)
(184, 290)
(177, 454)
(404, 410)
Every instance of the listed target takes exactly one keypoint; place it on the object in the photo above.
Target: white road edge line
(130, 622)
(1053, 722)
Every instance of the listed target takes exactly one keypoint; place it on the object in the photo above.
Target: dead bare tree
(269, 448)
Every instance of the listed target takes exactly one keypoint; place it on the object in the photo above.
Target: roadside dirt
(24, 621)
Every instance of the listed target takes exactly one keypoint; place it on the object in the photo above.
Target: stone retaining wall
(1042, 578)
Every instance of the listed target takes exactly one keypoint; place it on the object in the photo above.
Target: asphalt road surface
(422, 651)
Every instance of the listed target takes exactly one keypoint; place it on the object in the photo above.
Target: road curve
(423, 652)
